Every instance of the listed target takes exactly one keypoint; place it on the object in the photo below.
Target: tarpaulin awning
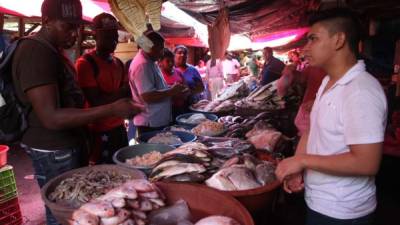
(254, 18)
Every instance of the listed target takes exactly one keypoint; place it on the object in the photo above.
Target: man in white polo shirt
(340, 155)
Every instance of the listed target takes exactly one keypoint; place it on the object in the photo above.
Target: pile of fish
(195, 161)
(243, 173)
(225, 102)
(215, 106)
(83, 187)
(224, 148)
(263, 98)
(128, 204)
(179, 214)
(189, 163)
(238, 126)
(236, 90)
(263, 136)
(217, 220)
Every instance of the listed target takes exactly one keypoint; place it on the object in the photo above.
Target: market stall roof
(172, 26)
(263, 20)
(254, 18)
(259, 17)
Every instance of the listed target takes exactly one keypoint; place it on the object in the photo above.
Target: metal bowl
(132, 151)
(184, 136)
(209, 116)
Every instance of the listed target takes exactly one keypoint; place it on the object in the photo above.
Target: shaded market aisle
(30, 201)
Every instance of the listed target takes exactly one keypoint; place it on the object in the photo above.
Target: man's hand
(293, 183)
(288, 167)
(126, 108)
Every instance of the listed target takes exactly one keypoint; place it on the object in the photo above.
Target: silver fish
(179, 169)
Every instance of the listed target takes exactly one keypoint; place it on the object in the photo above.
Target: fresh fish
(140, 222)
(189, 148)
(165, 164)
(265, 173)
(99, 208)
(121, 216)
(118, 202)
(128, 222)
(220, 182)
(187, 177)
(135, 204)
(139, 214)
(140, 185)
(179, 169)
(145, 205)
(184, 222)
(170, 215)
(81, 217)
(217, 220)
(241, 177)
(157, 201)
(223, 152)
(121, 192)
(250, 161)
(151, 194)
(230, 162)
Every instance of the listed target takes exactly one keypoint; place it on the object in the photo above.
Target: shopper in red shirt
(172, 76)
(103, 79)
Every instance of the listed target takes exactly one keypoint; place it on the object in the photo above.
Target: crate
(10, 213)
(8, 187)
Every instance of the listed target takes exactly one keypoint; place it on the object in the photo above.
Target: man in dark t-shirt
(44, 80)
(272, 68)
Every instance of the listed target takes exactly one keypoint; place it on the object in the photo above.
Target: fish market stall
(236, 153)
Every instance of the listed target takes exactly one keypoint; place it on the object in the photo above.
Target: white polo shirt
(352, 111)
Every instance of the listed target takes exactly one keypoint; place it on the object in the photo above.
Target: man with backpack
(44, 82)
(103, 80)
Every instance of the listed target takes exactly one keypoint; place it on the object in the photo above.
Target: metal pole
(21, 26)
(1, 22)
(397, 66)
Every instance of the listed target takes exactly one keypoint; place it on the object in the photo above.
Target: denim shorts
(48, 164)
(315, 218)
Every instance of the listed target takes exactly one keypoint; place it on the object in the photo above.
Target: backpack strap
(93, 64)
(43, 42)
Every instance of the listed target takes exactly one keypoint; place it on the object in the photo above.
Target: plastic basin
(204, 201)
(184, 136)
(257, 199)
(63, 213)
(132, 151)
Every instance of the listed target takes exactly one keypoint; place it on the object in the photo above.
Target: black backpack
(13, 113)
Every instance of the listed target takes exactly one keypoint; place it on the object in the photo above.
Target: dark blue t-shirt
(271, 71)
(192, 77)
